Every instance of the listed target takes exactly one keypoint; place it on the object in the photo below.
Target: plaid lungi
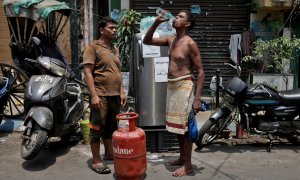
(180, 98)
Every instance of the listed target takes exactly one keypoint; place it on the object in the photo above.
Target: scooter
(258, 109)
(53, 101)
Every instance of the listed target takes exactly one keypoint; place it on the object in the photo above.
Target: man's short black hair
(190, 18)
(103, 22)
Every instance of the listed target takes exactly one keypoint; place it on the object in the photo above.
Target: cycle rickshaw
(45, 19)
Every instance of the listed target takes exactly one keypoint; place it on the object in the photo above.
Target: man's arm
(149, 40)
(89, 80)
(197, 64)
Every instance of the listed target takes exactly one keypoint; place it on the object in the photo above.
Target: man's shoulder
(191, 41)
(95, 46)
(187, 41)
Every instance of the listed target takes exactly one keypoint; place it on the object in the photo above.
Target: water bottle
(165, 14)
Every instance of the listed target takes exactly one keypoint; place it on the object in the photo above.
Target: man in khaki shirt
(103, 78)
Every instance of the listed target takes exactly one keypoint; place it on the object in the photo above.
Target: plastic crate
(151, 141)
(161, 141)
(167, 141)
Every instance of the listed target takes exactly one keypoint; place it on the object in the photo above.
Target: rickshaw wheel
(14, 105)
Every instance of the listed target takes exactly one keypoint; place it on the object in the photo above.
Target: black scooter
(53, 101)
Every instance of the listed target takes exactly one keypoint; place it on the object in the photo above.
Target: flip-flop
(100, 169)
(108, 159)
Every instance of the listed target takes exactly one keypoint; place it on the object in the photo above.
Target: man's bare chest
(179, 53)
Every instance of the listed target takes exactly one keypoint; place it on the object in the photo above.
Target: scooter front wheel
(34, 142)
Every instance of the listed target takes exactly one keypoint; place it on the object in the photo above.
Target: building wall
(64, 39)
(92, 9)
(115, 4)
(5, 53)
(125, 4)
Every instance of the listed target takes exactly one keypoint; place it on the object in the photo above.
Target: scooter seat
(290, 97)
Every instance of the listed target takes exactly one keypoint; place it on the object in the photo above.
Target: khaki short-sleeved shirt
(107, 73)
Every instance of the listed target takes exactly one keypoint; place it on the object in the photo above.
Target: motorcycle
(53, 101)
(258, 109)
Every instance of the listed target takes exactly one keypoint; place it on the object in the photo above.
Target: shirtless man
(184, 57)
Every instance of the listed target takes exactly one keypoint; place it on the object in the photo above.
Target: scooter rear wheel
(33, 144)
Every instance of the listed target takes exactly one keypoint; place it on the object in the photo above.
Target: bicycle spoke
(18, 82)
(17, 95)
(10, 107)
(18, 108)
(22, 84)
(15, 105)
(20, 91)
(17, 98)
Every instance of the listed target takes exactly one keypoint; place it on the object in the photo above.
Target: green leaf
(125, 33)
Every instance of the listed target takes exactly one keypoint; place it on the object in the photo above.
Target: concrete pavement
(226, 159)
(222, 160)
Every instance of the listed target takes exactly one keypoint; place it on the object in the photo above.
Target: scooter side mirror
(36, 40)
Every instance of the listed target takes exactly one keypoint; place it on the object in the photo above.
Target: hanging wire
(295, 6)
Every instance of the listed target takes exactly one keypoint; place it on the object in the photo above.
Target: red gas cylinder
(129, 149)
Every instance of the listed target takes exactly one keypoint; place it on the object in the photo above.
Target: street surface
(226, 159)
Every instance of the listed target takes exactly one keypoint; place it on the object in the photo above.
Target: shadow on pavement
(49, 153)
(44, 160)
(4, 134)
(162, 160)
(247, 145)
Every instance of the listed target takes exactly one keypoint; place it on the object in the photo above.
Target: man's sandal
(100, 169)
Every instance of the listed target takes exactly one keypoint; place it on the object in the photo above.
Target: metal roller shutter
(219, 19)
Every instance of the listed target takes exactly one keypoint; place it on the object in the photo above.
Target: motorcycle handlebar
(79, 82)
(237, 67)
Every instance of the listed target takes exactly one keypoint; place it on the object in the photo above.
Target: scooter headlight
(45, 62)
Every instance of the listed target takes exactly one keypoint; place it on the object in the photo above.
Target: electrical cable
(295, 6)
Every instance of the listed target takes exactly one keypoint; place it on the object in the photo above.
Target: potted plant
(275, 55)
(258, 58)
(128, 25)
(281, 51)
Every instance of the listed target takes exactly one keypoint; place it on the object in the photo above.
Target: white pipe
(91, 24)
(86, 25)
